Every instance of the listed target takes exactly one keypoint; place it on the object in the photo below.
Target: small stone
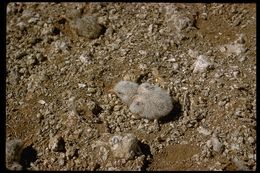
(85, 58)
(103, 152)
(217, 145)
(33, 20)
(117, 107)
(41, 102)
(181, 22)
(71, 152)
(193, 53)
(40, 57)
(240, 164)
(87, 26)
(91, 90)
(61, 46)
(22, 26)
(236, 49)
(61, 162)
(175, 66)
(57, 144)
(15, 166)
(201, 64)
(126, 146)
(251, 140)
(13, 150)
(31, 60)
(81, 85)
(203, 131)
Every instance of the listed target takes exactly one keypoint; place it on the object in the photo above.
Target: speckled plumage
(149, 101)
(125, 90)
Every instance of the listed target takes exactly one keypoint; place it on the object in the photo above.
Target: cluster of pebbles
(63, 59)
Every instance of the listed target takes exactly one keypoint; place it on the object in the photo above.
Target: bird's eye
(138, 103)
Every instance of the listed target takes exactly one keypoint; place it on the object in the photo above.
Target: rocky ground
(63, 59)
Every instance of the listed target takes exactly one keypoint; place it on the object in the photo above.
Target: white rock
(201, 64)
(15, 166)
(70, 152)
(193, 53)
(235, 48)
(217, 145)
(125, 147)
(86, 26)
(103, 152)
(251, 140)
(41, 102)
(56, 143)
(81, 85)
(21, 25)
(240, 164)
(203, 131)
(85, 59)
(61, 45)
(13, 150)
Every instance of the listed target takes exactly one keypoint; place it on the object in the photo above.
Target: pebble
(91, 90)
(40, 57)
(87, 26)
(251, 140)
(85, 58)
(235, 48)
(41, 102)
(181, 22)
(240, 164)
(13, 154)
(20, 55)
(71, 152)
(201, 64)
(22, 26)
(126, 146)
(217, 145)
(103, 152)
(81, 85)
(61, 162)
(56, 143)
(203, 131)
(15, 166)
(31, 60)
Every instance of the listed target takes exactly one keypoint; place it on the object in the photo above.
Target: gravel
(63, 59)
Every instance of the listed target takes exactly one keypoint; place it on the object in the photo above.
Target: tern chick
(151, 102)
(125, 90)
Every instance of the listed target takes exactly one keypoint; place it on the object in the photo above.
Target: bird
(146, 87)
(126, 90)
(151, 102)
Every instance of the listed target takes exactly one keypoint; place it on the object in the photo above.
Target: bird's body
(152, 104)
(125, 90)
(146, 87)
(149, 101)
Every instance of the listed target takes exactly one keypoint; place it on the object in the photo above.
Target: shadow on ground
(174, 115)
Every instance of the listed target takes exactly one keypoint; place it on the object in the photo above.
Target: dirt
(48, 62)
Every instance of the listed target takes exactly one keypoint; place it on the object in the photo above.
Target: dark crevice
(148, 155)
(28, 155)
(174, 114)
